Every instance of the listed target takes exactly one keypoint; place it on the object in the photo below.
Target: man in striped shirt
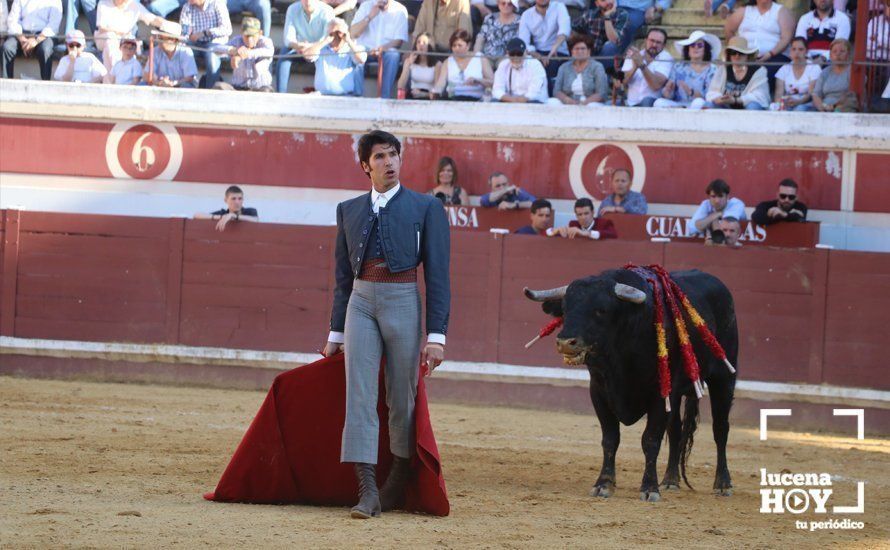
(204, 23)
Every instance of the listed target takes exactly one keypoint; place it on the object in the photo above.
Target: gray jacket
(414, 229)
(593, 76)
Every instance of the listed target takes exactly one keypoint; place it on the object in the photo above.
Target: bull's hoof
(723, 491)
(604, 490)
(670, 486)
(650, 496)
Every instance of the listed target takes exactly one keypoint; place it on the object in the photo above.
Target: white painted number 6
(146, 161)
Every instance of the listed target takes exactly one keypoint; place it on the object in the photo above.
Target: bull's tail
(690, 422)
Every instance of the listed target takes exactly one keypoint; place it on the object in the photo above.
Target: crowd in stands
(562, 52)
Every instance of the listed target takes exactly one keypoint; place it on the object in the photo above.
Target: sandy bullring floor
(112, 465)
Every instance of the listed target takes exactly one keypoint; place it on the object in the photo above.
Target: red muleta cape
(291, 451)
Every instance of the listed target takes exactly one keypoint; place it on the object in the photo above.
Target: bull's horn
(629, 293)
(544, 295)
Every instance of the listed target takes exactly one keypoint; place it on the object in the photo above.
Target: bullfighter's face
(383, 167)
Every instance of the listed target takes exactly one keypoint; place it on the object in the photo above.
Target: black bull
(608, 325)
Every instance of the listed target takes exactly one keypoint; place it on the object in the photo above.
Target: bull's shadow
(608, 326)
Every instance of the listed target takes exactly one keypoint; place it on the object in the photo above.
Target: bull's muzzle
(573, 350)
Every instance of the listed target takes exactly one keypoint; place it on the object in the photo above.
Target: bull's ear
(552, 307)
(629, 293)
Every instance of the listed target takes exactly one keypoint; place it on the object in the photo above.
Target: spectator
(87, 7)
(117, 18)
(420, 70)
(441, 19)
(519, 79)
(128, 70)
(796, 80)
(174, 65)
(727, 233)
(381, 27)
(234, 210)
(877, 45)
(739, 85)
(832, 91)
(250, 54)
(504, 195)
(784, 208)
(205, 23)
(544, 31)
(688, 82)
(607, 25)
(31, 25)
(586, 225)
(717, 206)
(541, 220)
(498, 28)
(646, 72)
(821, 27)
(623, 200)
(877, 48)
(641, 12)
(583, 81)
(464, 76)
(305, 25)
(768, 27)
(339, 62)
(447, 189)
(78, 65)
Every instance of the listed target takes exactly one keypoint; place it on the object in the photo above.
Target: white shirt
(637, 87)
(530, 80)
(734, 208)
(126, 72)
(86, 68)
(877, 45)
(34, 16)
(3, 16)
(378, 201)
(539, 32)
(121, 20)
(389, 25)
(798, 87)
(831, 28)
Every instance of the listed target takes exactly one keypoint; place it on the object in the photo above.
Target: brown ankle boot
(369, 499)
(392, 494)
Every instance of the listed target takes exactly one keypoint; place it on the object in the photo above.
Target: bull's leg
(656, 422)
(721, 401)
(671, 479)
(605, 484)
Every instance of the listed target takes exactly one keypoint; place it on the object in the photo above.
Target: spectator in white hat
(78, 65)
(689, 80)
(128, 70)
(117, 18)
(31, 25)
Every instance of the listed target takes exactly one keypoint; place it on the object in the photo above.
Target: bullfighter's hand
(432, 356)
(332, 348)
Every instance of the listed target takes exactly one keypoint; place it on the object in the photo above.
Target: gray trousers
(381, 318)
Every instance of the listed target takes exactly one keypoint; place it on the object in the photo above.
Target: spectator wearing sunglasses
(784, 208)
(78, 65)
(31, 25)
(128, 70)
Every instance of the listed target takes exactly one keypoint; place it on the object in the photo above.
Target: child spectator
(115, 19)
(128, 70)
(78, 65)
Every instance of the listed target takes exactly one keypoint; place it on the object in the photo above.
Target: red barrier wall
(805, 315)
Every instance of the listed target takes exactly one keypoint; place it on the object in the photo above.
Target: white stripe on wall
(452, 369)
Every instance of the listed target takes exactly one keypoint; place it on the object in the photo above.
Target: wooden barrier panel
(805, 315)
(857, 317)
(97, 278)
(256, 286)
